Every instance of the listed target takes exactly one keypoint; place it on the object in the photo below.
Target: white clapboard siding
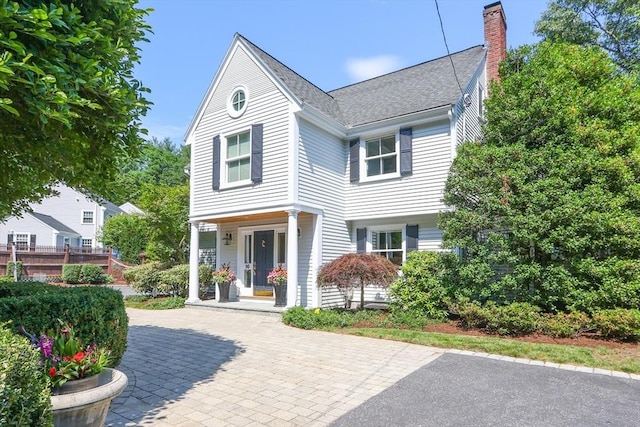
(266, 105)
(322, 167)
(469, 123)
(421, 192)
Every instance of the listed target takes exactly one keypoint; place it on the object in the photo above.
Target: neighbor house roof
(414, 89)
(54, 223)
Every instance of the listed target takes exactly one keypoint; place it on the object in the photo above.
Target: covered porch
(253, 243)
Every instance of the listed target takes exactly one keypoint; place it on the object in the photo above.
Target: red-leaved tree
(352, 270)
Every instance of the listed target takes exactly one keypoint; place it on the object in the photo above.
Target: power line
(447, 46)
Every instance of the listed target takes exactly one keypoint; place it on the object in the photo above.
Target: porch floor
(256, 305)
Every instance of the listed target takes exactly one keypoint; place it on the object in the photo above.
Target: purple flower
(46, 345)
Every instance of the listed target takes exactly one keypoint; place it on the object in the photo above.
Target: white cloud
(365, 68)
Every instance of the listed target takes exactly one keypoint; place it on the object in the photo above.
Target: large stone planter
(88, 408)
(224, 287)
(281, 295)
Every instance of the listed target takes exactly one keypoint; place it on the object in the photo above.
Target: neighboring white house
(71, 217)
(289, 174)
(130, 208)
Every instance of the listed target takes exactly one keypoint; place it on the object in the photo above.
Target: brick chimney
(495, 36)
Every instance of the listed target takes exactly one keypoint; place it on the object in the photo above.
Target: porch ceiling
(281, 215)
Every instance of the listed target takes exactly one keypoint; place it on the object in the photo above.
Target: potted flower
(223, 277)
(278, 278)
(82, 387)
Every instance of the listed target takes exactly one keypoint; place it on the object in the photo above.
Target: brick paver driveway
(198, 367)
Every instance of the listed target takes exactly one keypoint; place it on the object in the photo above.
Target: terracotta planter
(281, 295)
(89, 407)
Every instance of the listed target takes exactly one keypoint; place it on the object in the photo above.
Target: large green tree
(70, 107)
(546, 207)
(159, 163)
(613, 25)
(129, 234)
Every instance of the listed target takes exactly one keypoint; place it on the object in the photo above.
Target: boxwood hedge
(97, 313)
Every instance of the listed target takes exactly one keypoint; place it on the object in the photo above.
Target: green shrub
(144, 278)
(10, 267)
(97, 313)
(471, 315)
(317, 318)
(6, 279)
(518, 318)
(619, 323)
(512, 319)
(407, 318)
(175, 281)
(564, 325)
(425, 287)
(91, 273)
(164, 303)
(205, 275)
(24, 392)
(71, 273)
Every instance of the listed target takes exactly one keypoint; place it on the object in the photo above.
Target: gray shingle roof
(418, 88)
(304, 90)
(54, 223)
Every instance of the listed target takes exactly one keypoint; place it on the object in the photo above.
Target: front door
(263, 258)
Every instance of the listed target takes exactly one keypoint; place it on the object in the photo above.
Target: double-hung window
(22, 241)
(87, 217)
(238, 160)
(388, 243)
(381, 156)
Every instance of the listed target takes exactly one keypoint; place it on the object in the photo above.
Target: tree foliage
(159, 163)
(70, 107)
(613, 25)
(129, 234)
(357, 270)
(547, 207)
(167, 216)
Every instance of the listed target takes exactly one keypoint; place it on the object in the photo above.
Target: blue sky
(331, 43)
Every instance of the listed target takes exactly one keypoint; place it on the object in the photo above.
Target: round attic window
(237, 102)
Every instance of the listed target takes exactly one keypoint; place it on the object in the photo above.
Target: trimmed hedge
(71, 273)
(619, 323)
(24, 390)
(92, 273)
(97, 313)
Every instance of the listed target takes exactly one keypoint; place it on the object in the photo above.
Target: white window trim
(230, 110)
(391, 227)
(363, 161)
(244, 231)
(224, 171)
(93, 217)
(82, 242)
(15, 240)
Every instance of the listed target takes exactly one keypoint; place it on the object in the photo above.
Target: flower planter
(223, 287)
(89, 407)
(281, 295)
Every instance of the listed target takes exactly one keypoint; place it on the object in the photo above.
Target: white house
(70, 217)
(290, 174)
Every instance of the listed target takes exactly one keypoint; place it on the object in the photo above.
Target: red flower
(52, 372)
(78, 356)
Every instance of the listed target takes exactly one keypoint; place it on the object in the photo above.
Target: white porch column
(292, 257)
(194, 261)
(316, 292)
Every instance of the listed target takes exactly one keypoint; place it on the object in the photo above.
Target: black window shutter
(256, 152)
(354, 160)
(9, 238)
(406, 160)
(216, 162)
(32, 241)
(412, 238)
(361, 237)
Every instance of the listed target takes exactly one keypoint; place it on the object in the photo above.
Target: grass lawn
(150, 303)
(625, 358)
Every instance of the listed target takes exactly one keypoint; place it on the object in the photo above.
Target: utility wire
(447, 46)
